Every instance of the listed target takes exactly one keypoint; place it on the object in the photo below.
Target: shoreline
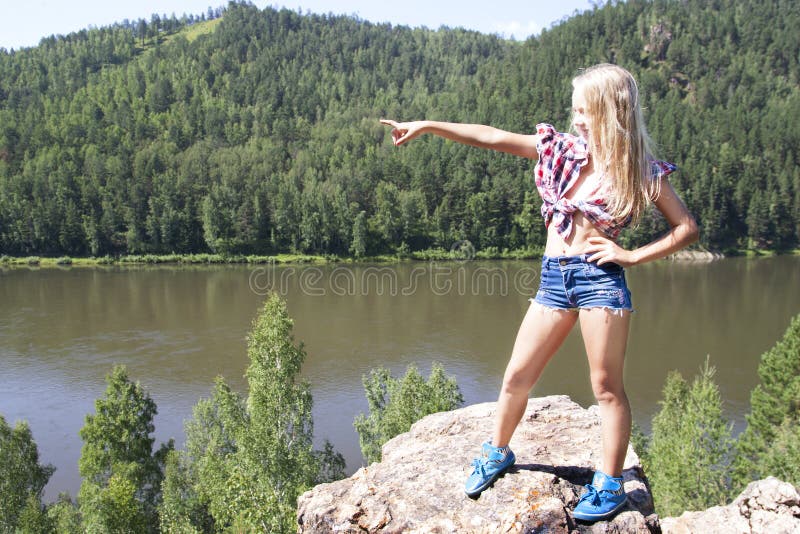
(280, 259)
(689, 256)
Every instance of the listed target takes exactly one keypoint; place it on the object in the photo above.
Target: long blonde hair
(618, 139)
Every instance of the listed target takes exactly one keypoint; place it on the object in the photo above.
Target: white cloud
(516, 29)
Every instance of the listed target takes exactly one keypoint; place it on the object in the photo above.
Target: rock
(418, 485)
(767, 506)
(699, 256)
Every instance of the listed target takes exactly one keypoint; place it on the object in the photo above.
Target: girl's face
(580, 121)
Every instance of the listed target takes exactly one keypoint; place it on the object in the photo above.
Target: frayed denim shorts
(573, 283)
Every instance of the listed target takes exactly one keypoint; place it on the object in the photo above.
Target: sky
(24, 22)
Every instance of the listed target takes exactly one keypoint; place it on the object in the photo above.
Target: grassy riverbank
(288, 259)
(750, 253)
(294, 259)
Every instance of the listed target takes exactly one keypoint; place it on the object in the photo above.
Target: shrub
(22, 478)
(396, 404)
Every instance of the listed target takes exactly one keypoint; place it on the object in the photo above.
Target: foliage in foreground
(245, 463)
(688, 455)
(247, 460)
(770, 445)
(395, 404)
(121, 473)
(22, 477)
(690, 459)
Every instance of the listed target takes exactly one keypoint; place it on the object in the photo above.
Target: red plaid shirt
(561, 157)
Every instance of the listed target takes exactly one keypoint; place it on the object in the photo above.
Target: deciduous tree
(397, 403)
(247, 460)
(22, 477)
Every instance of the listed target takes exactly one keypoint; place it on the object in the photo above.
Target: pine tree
(770, 438)
(782, 458)
(689, 453)
(90, 101)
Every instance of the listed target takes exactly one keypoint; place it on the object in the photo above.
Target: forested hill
(258, 132)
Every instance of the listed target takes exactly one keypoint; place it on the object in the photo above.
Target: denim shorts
(573, 282)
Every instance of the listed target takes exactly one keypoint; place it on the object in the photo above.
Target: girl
(592, 185)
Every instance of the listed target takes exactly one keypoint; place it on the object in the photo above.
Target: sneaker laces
(591, 495)
(480, 465)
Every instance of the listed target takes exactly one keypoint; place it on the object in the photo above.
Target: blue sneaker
(603, 498)
(493, 462)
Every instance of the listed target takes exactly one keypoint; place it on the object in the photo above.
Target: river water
(176, 328)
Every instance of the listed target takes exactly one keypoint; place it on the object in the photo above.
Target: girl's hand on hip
(404, 131)
(603, 250)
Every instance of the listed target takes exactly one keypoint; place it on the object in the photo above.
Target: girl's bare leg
(541, 333)
(605, 335)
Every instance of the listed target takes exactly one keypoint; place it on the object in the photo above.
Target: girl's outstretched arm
(468, 134)
(683, 232)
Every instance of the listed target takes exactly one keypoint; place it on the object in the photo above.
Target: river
(176, 328)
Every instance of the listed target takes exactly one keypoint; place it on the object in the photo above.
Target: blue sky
(24, 22)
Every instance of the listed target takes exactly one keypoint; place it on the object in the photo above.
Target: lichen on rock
(418, 485)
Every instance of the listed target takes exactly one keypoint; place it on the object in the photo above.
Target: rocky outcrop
(767, 506)
(698, 256)
(418, 485)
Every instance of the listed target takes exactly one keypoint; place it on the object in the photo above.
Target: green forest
(253, 131)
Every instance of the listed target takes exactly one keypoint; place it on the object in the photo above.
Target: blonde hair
(618, 140)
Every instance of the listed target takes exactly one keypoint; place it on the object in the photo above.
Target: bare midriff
(582, 228)
(576, 243)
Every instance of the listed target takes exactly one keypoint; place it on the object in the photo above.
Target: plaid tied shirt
(561, 157)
